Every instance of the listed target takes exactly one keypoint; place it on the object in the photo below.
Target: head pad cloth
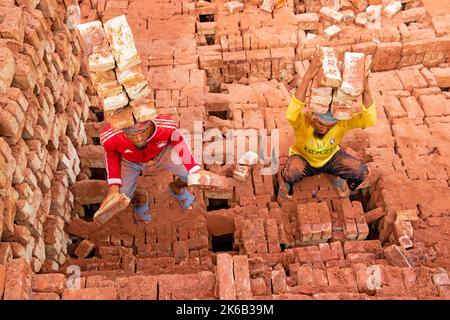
(326, 117)
(137, 128)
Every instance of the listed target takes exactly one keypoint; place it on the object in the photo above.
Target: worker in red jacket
(128, 150)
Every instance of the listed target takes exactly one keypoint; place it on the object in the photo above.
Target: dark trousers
(341, 164)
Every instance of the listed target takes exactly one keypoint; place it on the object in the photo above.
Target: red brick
(44, 296)
(434, 105)
(336, 246)
(279, 285)
(374, 215)
(242, 277)
(137, 288)
(411, 78)
(90, 294)
(259, 286)
(2, 280)
(442, 76)
(362, 279)
(410, 281)
(303, 222)
(308, 21)
(84, 248)
(412, 107)
(99, 281)
(441, 278)
(305, 279)
(18, 280)
(396, 257)
(225, 278)
(426, 91)
(12, 27)
(394, 108)
(180, 251)
(48, 283)
(366, 258)
(6, 254)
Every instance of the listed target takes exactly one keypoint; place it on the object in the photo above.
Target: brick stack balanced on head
(115, 70)
(340, 83)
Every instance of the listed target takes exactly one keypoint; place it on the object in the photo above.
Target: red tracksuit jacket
(117, 146)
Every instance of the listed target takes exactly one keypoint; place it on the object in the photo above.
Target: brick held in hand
(329, 74)
(112, 208)
(241, 172)
(353, 74)
(204, 180)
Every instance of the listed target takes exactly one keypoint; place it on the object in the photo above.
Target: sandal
(185, 199)
(142, 213)
(341, 187)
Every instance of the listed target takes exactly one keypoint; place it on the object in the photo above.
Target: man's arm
(184, 151)
(294, 112)
(112, 165)
(368, 115)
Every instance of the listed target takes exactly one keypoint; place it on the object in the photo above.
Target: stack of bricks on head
(339, 86)
(115, 70)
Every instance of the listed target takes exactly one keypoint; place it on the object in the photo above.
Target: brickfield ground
(230, 71)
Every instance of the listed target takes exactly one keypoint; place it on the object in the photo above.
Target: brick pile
(393, 245)
(45, 101)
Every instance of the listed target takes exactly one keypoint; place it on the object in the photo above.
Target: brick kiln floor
(246, 242)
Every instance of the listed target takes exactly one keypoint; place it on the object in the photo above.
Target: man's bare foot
(341, 186)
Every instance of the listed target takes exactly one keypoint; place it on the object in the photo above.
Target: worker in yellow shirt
(317, 136)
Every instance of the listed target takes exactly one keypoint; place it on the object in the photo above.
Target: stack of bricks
(351, 214)
(44, 103)
(258, 236)
(342, 91)
(412, 40)
(314, 223)
(249, 48)
(115, 70)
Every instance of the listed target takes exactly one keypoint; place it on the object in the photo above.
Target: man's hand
(367, 96)
(209, 173)
(313, 69)
(368, 63)
(112, 192)
(314, 66)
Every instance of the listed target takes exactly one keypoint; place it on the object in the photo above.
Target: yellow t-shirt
(319, 151)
